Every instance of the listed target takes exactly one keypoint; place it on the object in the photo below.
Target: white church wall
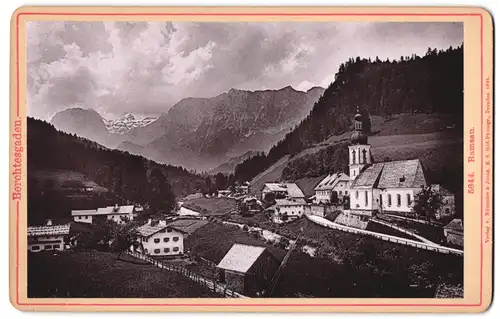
(361, 199)
(392, 204)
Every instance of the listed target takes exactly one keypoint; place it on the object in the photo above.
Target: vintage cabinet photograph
(251, 156)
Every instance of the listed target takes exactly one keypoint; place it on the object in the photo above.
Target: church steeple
(358, 136)
(359, 150)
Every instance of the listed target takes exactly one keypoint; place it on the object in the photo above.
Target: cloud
(146, 67)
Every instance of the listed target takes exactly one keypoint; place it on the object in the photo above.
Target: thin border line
(254, 14)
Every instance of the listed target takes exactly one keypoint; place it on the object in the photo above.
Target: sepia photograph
(233, 159)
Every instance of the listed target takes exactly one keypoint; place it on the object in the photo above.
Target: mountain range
(200, 133)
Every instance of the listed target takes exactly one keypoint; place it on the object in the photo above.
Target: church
(384, 187)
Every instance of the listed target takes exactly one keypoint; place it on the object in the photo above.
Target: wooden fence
(432, 247)
(210, 284)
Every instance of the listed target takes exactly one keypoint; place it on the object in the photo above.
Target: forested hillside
(432, 84)
(129, 178)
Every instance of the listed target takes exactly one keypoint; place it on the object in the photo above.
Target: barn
(247, 269)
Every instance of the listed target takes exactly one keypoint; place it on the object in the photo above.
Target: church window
(357, 195)
(353, 156)
(399, 199)
(389, 200)
(364, 156)
(366, 198)
(408, 199)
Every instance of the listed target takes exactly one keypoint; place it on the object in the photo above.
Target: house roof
(122, 210)
(48, 230)
(398, 174)
(241, 257)
(292, 189)
(455, 224)
(148, 230)
(187, 226)
(283, 202)
(84, 212)
(331, 181)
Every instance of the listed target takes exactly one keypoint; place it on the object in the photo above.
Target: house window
(166, 239)
(48, 246)
(346, 192)
(146, 250)
(157, 240)
(176, 238)
(389, 200)
(408, 199)
(357, 195)
(56, 246)
(366, 198)
(86, 217)
(447, 210)
(146, 239)
(35, 248)
(176, 249)
(166, 250)
(399, 199)
(157, 251)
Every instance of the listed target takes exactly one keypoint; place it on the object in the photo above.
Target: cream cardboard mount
(251, 159)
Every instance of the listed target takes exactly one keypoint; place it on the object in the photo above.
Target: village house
(118, 214)
(385, 187)
(338, 183)
(447, 210)
(166, 239)
(48, 238)
(454, 232)
(282, 190)
(287, 210)
(247, 269)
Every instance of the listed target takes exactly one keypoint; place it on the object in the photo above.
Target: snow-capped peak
(126, 123)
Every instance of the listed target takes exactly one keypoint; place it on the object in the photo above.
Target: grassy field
(349, 266)
(211, 206)
(101, 275)
(60, 179)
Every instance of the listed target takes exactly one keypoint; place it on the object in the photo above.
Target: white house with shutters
(167, 238)
(118, 214)
(48, 237)
(337, 182)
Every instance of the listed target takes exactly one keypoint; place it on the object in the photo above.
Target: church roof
(369, 177)
(402, 174)
(398, 174)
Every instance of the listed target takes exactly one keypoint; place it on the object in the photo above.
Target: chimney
(162, 222)
(149, 221)
(49, 222)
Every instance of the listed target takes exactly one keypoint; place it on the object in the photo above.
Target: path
(406, 231)
(432, 247)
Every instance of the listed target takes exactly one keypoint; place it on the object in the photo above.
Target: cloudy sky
(145, 68)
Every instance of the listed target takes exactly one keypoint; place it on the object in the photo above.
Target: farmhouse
(47, 238)
(454, 232)
(164, 239)
(338, 183)
(118, 214)
(287, 210)
(282, 190)
(448, 208)
(247, 269)
(381, 187)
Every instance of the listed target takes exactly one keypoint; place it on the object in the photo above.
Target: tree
(161, 197)
(427, 203)
(220, 181)
(124, 236)
(270, 198)
(334, 198)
